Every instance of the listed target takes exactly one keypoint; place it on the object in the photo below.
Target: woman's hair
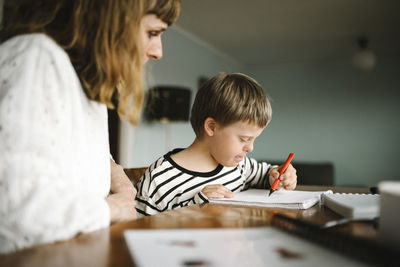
(102, 39)
(229, 98)
(167, 10)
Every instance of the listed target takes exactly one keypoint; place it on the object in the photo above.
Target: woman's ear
(209, 126)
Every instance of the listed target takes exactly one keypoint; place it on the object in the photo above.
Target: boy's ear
(209, 126)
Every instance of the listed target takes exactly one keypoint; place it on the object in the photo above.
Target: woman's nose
(155, 50)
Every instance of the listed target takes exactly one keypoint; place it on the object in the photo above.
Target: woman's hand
(119, 180)
(288, 178)
(122, 207)
(216, 191)
(121, 199)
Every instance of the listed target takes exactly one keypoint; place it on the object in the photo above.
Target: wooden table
(107, 247)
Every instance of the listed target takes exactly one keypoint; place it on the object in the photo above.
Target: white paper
(264, 246)
(291, 199)
(354, 206)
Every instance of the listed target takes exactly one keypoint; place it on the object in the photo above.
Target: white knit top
(54, 150)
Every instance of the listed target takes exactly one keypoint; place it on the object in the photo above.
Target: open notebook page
(290, 199)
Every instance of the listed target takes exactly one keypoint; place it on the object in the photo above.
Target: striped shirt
(167, 186)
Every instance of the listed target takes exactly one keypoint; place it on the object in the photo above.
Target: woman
(60, 64)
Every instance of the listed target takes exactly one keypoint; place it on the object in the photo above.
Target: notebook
(368, 250)
(353, 206)
(289, 199)
(256, 247)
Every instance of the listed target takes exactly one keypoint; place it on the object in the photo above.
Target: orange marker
(278, 180)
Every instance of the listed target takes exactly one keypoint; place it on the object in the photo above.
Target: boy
(229, 112)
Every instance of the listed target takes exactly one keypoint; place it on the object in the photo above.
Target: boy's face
(229, 144)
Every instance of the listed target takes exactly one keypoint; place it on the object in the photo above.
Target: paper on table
(353, 206)
(289, 199)
(264, 246)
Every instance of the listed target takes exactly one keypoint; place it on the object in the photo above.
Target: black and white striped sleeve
(198, 198)
(145, 205)
(165, 188)
(256, 173)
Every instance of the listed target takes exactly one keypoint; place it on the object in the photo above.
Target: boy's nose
(248, 147)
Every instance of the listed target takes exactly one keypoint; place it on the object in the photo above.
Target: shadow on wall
(309, 173)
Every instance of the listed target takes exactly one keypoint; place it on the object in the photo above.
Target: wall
(330, 112)
(185, 60)
(324, 112)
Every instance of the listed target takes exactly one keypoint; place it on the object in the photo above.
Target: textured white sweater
(54, 150)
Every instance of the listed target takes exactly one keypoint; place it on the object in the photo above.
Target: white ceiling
(263, 32)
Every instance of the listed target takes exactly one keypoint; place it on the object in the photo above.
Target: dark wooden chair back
(312, 173)
(134, 174)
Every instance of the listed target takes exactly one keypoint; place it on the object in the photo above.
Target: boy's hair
(229, 98)
(102, 39)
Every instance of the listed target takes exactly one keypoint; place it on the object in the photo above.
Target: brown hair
(102, 39)
(167, 10)
(229, 98)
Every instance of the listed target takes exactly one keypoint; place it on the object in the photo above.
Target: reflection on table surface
(107, 247)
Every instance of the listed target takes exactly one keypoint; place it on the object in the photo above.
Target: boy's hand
(216, 191)
(288, 178)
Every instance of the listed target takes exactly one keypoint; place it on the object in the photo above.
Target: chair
(134, 174)
(315, 173)
(310, 173)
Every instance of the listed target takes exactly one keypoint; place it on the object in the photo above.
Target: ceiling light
(364, 59)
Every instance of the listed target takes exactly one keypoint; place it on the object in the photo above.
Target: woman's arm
(122, 195)
(54, 148)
